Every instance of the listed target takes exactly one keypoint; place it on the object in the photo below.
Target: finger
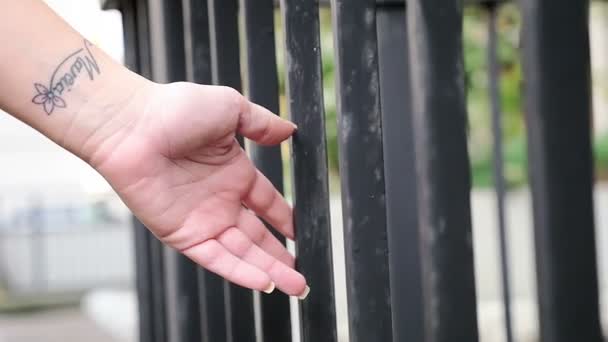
(285, 278)
(262, 126)
(270, 205)
(217, 259)
(251, 225)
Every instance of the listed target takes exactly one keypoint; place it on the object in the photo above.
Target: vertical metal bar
(442, 169)
(225, 52)
(130, 36)
(158, 290)
(198, 70)
(181, 298)
(499, 178)
(400, 173)
(167, 41)
(168, 59)
(310, 172)
(263, 89)
(224, 33)
(361, 167)
(558, 112)
(226, 70)
(212, 310)
(143, 38)
(196, 41)
(144, 282)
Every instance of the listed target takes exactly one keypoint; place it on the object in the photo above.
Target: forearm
(54, 80)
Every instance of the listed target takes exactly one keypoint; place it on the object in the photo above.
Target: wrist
(108, 113)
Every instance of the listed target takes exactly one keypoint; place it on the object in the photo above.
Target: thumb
(262, 126)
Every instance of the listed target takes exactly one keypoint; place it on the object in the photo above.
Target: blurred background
(66, 249)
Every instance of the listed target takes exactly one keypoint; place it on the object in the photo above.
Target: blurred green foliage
(601, 156)
(479, 132)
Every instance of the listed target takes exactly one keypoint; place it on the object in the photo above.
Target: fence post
(361, 168)
(128, 10)
(558, 111)
(442, 165)
(144, 280)
(400, 173)
(310, 172)
(196, 41)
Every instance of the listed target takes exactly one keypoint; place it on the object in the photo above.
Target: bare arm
(168, 150)
(49, 69)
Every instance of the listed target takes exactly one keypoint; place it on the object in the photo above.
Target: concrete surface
(61, 325)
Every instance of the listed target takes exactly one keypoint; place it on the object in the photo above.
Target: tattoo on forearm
(64, 77)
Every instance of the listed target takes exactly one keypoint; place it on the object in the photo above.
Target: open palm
(177, 165)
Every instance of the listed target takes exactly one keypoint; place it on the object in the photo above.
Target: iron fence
(404, 166)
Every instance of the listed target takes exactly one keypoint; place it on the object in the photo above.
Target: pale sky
(29, 162)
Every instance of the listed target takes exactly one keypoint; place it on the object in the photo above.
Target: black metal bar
(198, 70)
(143, 282)
(499, 178)
(361, 167)
(196, 41)
(168, 61)
(442, 168)
(224, 33)
(310, 171)
(212, 307)
(111, 4)
(226, 70)
(400, 173)
(143, 38)
(263, 89)
(167, 41)
(558, 112)
(158, 290)
(128, 10)
(182, 300)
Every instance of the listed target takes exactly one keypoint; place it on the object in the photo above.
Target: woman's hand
(168, 150)
(176, 163)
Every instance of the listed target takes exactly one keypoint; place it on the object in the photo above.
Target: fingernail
(270, 288)
(294, 126)
(305, 293)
